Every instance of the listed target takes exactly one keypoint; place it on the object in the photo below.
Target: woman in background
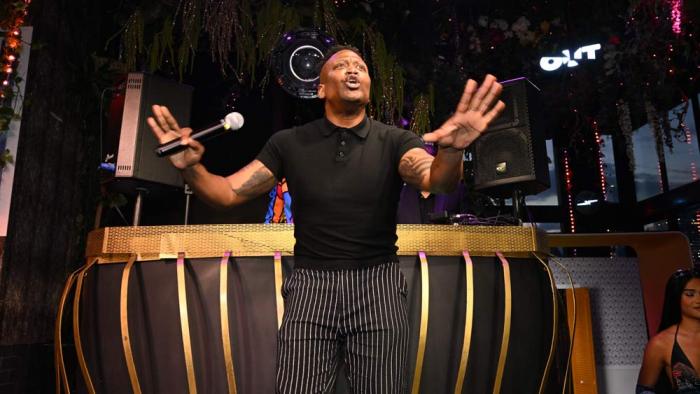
(673, 355)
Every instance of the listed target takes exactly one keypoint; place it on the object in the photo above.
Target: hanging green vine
(132, 40)
(423, 108)
(325, 19)
(162, 47)
(220, 21)
(272, 21)
(388, 84)
(191, 29)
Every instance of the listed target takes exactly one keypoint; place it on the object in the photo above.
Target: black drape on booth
(157, 342)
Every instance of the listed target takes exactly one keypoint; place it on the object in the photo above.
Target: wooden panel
(583, 372)
(659, 254)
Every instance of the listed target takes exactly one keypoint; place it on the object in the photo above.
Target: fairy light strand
(601, 167)
(569, 187)
(676, 15)
(12, 46)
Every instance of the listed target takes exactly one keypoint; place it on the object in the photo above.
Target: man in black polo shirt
(345, 173)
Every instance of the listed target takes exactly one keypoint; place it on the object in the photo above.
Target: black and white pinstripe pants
(359, 313)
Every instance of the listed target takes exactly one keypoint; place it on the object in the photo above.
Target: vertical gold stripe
(583, 370)
(61, 377)
(59, 365)
(76, 327)
(124, 322)
(468, 320)
(506, 323)
(555, 319)
(573, 329)
(423, 333)
(225, 336)
(278, 288)
(185, 323)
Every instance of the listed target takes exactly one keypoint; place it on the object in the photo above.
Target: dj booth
(196, 309)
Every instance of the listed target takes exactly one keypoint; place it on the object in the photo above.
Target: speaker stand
(188, 194)
(518, 204)
(140, 192)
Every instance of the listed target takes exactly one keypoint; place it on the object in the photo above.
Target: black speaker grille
(511, 154)
(503, 154)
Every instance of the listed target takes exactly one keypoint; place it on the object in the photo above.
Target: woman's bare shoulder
(663, 340)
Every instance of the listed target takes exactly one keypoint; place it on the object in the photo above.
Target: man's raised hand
(165, 129)
(477, 108)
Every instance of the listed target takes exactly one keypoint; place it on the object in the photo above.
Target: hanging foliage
(388, 84)
(245, 43)
(653, 119)
(191, 29)
(132, 40)
(273, 19)
(162, 46)
(325, 19)
(625, 125)
(220, 20)
(423, 109)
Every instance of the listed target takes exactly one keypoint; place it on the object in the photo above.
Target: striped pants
(359, 314)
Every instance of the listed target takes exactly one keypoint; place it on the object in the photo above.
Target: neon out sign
(555, 62)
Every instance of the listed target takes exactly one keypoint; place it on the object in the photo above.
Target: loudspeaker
(132, 142)
(512, 153)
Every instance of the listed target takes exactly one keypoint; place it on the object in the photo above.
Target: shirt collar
(361, 129)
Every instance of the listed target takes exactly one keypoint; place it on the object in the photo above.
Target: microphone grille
(234, 120)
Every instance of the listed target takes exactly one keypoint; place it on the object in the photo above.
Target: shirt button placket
(342, 146)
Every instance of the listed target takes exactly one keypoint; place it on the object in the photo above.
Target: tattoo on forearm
(259, 182)
(413, 168)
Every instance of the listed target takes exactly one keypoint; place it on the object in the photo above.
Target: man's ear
(321, 91)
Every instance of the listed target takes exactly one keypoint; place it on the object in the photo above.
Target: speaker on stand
(510, 158)
(128, 158)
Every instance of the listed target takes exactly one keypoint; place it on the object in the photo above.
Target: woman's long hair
(671, 314)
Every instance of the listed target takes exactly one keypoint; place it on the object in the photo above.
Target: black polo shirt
(345, 188)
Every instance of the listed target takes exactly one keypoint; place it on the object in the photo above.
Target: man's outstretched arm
(477, 108)
(439, 174)
(247, 183)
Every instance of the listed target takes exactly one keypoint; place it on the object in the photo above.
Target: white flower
(483, 21)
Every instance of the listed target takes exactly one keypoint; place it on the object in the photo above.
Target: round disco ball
(296, 58)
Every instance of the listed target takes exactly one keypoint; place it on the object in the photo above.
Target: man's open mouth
(352, 83)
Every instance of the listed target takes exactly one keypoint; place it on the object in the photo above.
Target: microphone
(232, 121)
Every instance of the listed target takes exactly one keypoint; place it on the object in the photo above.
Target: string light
(689, 144)
(601, 168)
(676, 15)
(13, 45)
(697, 226)
(661, 179)
(569, 186)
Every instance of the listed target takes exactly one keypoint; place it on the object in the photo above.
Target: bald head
(332, 51)
(344, 85)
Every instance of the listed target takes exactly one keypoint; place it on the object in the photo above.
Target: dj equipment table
(196, 308)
